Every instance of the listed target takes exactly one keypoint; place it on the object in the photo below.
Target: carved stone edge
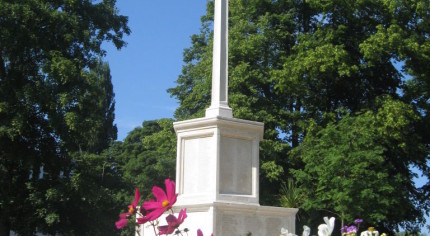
(224, 122)
(254, 209)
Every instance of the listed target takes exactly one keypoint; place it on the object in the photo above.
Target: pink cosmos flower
(164, 200)
(131, 209)
(121, 223)
(144, 218)
(200, 233)
(133, 205)
(173, 222)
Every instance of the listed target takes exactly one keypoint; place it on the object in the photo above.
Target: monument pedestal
(217, 170)
(217, 160)
(217, 165)
(232, 219)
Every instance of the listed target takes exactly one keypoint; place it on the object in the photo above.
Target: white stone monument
(217, 166)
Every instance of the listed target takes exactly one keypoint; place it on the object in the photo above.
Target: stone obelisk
(217, 164)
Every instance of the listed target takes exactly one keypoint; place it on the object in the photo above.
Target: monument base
(232, 219)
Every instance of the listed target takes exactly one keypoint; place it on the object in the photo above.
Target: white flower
(306, 230)
(323, 230)
(327, 228)
(370, 233)
(330, 224)
(284, 232)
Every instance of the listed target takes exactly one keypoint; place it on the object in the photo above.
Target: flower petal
(153, 215)
(182, 215)
(124, 215)
(199, 232)
(172, 200)
(136, 198)
(159, 194)
(152, 205)
(142, 220)
(170, 187)
(171, 220)
(165, 229)
(121, 223)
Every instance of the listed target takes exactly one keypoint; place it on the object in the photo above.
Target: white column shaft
(219, 104)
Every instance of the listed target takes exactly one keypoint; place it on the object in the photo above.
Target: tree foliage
(56, 111)
(358, 167)
(145, 158)
(313, 68)
(149, 155)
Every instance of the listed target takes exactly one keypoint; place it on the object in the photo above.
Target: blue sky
(152, 60)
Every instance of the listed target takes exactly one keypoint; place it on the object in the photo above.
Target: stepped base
(232, 219)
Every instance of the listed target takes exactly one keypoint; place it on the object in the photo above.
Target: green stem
(153, 226)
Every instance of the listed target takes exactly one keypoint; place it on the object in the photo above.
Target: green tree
(149, 155)
(358, 167)
(90, 200)
(294, 64)
(56, 108)
(145, 158)
(94, 179)
(93, 118)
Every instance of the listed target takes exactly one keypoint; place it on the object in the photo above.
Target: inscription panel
(198, 165)
(235, 166)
